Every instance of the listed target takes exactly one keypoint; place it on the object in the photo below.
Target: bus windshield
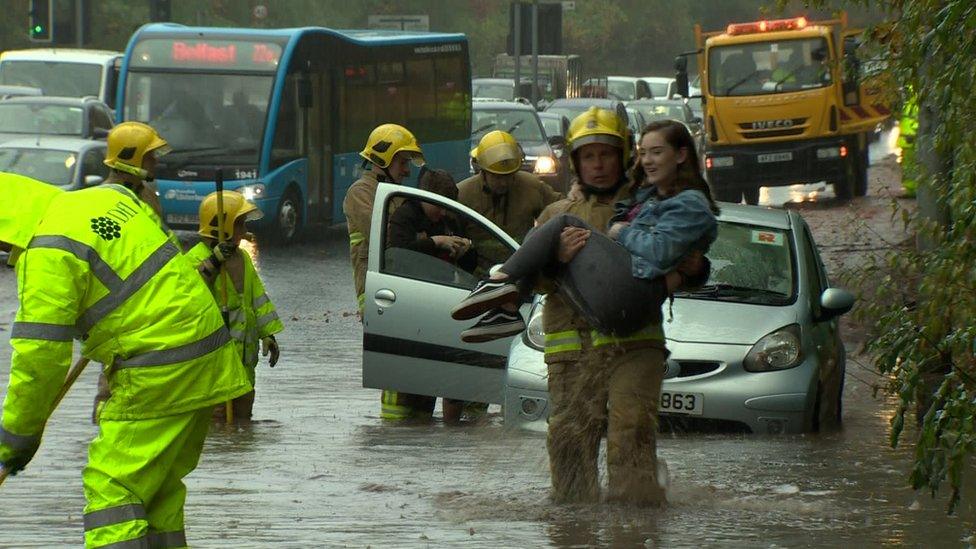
(768, 67)
(56, 78)
(205, 117)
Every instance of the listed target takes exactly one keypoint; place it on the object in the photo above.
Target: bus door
(319, 124)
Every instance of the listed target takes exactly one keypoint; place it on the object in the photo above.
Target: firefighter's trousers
(607, 390)
(133, 480)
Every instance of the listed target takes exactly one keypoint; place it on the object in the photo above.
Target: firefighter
(508, 197)
(389, 151)
(250, 315)
(95, 265)
(907, 130)
(133, 150)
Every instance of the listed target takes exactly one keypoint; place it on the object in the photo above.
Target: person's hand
(15, 459)
(452, 244)
(691, 264)
(571, 241)
(575, 192)
(224, 251)
(270, 345)
(614, 231)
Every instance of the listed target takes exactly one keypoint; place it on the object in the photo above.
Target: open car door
(410, 342)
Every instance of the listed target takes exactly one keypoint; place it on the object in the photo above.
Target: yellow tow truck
(784, 103)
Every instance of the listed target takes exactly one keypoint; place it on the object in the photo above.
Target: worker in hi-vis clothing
(389, 151)
(96, 265)
(251, 316)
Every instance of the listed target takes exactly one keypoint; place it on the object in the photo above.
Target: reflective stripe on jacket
(100, 268)
(251, 314)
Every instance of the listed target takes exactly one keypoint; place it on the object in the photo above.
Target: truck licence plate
(774, 157)
(682, 403)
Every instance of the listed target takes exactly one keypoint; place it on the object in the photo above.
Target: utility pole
(80, 23)
(535, 53)
(518, 45)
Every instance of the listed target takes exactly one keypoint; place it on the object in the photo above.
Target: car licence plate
(774, 157)
(182, 219)
(682, 403)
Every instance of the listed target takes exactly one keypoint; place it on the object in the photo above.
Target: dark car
(84, 117)
(522, 121)
(675, 109)
(67, 162)
(571, 108)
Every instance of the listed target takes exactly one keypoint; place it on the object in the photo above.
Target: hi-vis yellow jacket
(251, 314)
(567, 332)
(101, 268)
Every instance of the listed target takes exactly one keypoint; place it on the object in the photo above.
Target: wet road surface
(319, 469)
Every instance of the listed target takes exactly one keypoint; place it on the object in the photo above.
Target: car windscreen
(569, 112)
(768, 67)
(50, 166)
(621, 90)
(496, 91)
(553, 126)
(207, 118)
(34, 118)
(523, 125)
(55, 78)
(661, 111)
(750, 264)
(659, 89)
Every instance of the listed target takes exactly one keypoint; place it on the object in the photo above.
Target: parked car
(522, 121)
(6, 92)
(557, 127)
(84, 117)
(756, 349)
(662, 87)
(675, 109)
(621, 88)
(67, 162)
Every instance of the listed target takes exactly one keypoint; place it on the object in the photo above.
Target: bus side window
(453, 104)
(287, 140)
(422, 113)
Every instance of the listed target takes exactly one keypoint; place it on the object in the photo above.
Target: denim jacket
(665, 230)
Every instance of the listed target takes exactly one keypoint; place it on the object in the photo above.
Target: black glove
(224, 251)
(15, 459)
(270, 345)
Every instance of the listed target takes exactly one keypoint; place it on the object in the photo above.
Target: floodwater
(319, 468)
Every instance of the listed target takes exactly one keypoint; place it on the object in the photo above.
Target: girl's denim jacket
(665, 230)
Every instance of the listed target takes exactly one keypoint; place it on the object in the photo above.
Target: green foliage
(924, 306)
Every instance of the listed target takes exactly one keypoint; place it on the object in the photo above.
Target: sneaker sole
(474, 307)
(481, 335)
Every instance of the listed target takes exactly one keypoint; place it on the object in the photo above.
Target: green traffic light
(38, 29)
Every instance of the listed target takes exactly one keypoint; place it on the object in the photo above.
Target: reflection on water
(319, 469)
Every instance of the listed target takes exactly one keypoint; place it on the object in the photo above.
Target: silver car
(758, 347)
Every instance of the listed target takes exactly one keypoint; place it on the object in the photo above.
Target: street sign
(399, 22)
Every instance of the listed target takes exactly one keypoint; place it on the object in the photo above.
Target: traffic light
(41, 20)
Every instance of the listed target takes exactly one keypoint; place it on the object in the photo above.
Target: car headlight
(534, 336)
(252, 192)
(778, 350)
(545, 165)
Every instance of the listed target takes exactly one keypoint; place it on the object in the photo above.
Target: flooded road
(319, 469)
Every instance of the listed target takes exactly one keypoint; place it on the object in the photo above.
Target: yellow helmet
(498, 152)
(387, 140)
(235, 206)
(128, 143)
(598, 125)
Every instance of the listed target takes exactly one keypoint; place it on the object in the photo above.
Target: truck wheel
(288, 222)
(728, 195)
(751, 196)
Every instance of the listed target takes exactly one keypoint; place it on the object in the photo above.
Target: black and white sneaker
(486, 295)
(496, 324)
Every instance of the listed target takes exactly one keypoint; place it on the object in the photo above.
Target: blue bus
(285, 112)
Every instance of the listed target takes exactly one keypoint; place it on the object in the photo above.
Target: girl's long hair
(677, 136)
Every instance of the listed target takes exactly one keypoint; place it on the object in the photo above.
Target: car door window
(410, 250)
(814, 278)
(92, 164)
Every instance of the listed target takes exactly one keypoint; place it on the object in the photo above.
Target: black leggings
(598, 282)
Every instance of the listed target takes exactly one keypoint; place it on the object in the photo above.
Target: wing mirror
(92, 180)
(835, 302)
(100, 133)
(557, 141)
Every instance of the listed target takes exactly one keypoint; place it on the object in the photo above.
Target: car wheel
(288, 221)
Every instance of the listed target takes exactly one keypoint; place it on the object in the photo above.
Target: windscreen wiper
(729, 89)
(731, 290)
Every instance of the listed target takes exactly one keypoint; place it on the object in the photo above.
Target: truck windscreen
(768, 67)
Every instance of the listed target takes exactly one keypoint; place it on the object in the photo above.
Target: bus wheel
(289, 216)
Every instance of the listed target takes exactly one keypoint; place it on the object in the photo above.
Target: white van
(65, 72)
